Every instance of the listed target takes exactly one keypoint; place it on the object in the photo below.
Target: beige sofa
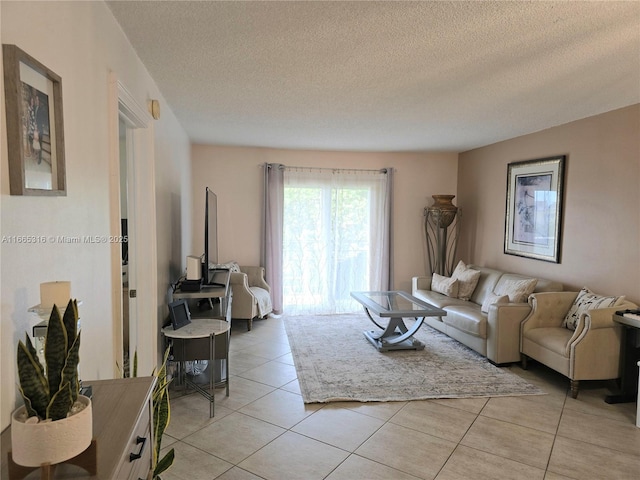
(494, 334)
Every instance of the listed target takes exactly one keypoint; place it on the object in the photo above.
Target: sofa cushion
(437, 299)
(518, 289)
(467, 280)
(467, 318)
(445, 285)
(551, 338)
(488, 279)
(545, 285)
(492, 298)
(587, 300)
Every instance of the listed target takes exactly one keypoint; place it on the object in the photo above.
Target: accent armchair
(590, 352)
(251, 295)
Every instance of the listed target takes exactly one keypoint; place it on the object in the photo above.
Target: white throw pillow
(467, 280)
(587, 300)
(492, 298)
(517, 290)
(445, 285)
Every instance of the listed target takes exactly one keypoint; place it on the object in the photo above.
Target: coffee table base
(395, 306)
(383, 345)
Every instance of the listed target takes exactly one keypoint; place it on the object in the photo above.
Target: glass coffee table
(396, 306)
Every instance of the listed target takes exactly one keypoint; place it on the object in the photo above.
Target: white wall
(82, 43)
(236, 175)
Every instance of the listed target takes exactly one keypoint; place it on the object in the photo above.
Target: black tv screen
(210, 233)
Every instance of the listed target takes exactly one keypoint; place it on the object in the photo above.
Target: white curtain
(271, 256)
(336, 238)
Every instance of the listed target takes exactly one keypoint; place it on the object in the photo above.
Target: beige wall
(236, 175)
(601, 227)
(82, 43)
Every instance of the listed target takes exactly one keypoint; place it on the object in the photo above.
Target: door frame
(142, 270)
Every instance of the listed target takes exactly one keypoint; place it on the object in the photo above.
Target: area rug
(335, 362)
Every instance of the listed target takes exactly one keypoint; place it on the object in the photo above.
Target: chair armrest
(595, 320)
(508, 312)
(420, 283)
(244, 301)
(585, 328)
(255, 277)
(600, 318)
(548, 309)
(503, 331)
(239, 281)
(603, 317)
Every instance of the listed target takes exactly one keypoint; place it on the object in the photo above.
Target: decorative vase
(443, 210)
(34, 444)
(442, 227)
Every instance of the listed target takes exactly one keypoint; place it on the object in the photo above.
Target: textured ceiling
(384, 76)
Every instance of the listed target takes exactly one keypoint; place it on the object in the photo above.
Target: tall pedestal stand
(442, 228)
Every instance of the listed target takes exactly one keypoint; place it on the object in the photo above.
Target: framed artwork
(35, 130)
(534, 208)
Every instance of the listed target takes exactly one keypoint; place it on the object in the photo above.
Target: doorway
(132, 216)
(124, 156)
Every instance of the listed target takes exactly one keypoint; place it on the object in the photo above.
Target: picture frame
(533, 221)
(35, 125)
(179, 313)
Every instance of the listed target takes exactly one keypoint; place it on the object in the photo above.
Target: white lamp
(55, 293)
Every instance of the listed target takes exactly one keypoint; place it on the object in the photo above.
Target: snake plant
(161, 414)
(49, 393)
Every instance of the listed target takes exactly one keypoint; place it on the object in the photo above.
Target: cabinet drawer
(143, 469)
(136, 461)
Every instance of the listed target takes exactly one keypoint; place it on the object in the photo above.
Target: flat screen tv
(210, 235)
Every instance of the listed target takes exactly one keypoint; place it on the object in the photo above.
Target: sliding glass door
(333, 238)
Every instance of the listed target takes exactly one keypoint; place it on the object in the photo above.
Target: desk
(395, 306)
(219, 291)
(629, 356)
(202, 339)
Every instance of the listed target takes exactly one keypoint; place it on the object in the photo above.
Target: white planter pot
(33, 444)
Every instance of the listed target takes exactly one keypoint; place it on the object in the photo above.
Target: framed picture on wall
(534, 208)
(35, 130)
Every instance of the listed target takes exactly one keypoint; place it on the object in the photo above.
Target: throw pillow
(467, 280)
(492, 298)
(233, 267)
(517, 290)
(445, 285)
(587, 300)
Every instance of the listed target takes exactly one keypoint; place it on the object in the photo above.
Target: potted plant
(161, 414)
(55, 423)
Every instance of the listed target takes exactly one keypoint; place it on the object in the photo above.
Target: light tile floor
(263, 430)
